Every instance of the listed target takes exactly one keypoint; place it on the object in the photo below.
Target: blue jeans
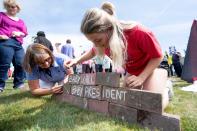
(11, 51)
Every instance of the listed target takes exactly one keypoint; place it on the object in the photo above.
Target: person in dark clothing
(176, 63)
(41, 39)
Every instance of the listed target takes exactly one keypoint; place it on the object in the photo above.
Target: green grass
(19, 110)
(184, 104)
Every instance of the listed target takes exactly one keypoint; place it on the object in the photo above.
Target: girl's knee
(165, 98)
(156, 82)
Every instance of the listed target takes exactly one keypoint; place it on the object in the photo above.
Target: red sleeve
(149, 44)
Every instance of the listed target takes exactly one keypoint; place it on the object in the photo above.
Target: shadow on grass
(19, 95)
(51, 115)
(22, 111)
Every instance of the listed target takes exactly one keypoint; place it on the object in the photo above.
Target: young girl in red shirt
(130, 45)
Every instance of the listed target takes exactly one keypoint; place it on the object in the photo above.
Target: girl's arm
(152, 64)
(37, 91)
(137, 81)
(86, 56)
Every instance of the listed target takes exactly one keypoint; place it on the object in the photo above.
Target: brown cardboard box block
(165, 122)
(93, 92)
(98, 106)
(124, 113)
(138, 99)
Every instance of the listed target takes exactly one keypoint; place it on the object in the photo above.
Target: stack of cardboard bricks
(101, 92)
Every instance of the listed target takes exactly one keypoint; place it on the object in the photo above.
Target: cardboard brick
(66, 88)
(138, 99)
(93, 92)
(133, 98)
(73, 100)
(57, 97)
(151, 102)
(77, 90)
(165, 122)
(74, 79)
(111, 79)
(124, 113)
(98, 106)
(78, 101)
(115, 95)
(88, 79)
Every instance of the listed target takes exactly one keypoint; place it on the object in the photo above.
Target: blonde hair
(101, 20)
(7, 3)
(34, 55)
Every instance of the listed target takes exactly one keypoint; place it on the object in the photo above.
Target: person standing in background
(41, 39)
(177, 64)
(57, 47)
(68, 49)
(86, 65)
(169, 57)
(12, 32)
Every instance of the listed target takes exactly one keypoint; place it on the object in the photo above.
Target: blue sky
(170, 20)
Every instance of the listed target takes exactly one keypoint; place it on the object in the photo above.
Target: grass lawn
(19, 110)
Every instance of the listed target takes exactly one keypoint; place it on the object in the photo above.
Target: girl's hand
(70, 71)
(4, 37)
(57, 89)
(134, 82)
(70, 63)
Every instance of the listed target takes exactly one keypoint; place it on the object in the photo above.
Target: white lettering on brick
(74, 79)
(114, 94)
(77, 90)
(92, 92)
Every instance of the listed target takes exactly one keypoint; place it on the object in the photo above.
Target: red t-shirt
(141, 47)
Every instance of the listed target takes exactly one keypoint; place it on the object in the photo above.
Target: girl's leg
(157, 83)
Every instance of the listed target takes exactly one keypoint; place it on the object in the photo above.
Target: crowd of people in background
(114, 44)
(173, 63)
